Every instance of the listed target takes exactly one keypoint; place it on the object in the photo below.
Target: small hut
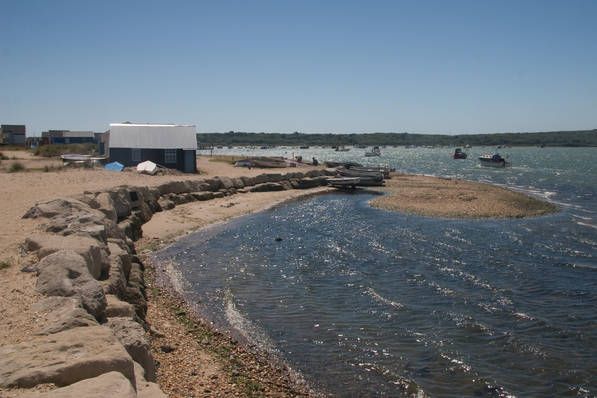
(170, 145)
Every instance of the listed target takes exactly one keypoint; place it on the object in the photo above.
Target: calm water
(365, 302)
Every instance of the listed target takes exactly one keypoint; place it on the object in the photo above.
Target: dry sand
(449, 198)
(19, 191)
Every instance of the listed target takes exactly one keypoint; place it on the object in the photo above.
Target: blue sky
(312, 66)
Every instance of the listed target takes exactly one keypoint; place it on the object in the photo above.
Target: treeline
(552, 138)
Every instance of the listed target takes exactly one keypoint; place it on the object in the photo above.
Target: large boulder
(238, 183)
(119, 308)
(211, 184)
(65, 273)
(111, 384)
(106, 206)
(62, 313)
(54, 207)
(307, 183)
(146, 389)
(203, 195)
(64, 358)
(94, 252)
(132, 336)
(248, 181)
(268, 187)
(225, 182)
(176, 187)
(115, 284)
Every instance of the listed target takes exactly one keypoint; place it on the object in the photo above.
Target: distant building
(13, 134)
(170, 145)
(67, 137)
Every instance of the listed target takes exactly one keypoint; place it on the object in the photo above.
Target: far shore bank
(214, 363)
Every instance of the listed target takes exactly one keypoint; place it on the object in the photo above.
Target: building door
(189, 162)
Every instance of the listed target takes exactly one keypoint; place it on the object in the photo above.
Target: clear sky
(344, 66)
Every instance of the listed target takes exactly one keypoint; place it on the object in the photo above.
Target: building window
(136, 155)
(170, 155)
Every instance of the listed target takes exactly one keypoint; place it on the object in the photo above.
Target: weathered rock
(65, 273)
(111, 384)
(146, 389)
(307, 183)
(136, 276)
(136, 297)
(225, 182)
(267, 187)
(122, 201)
(94, 252)
(213, 184)
(106, 206)
(131, 228)
(176, 187)
(119, 308)
(314, 173)
(64, 358)
(132, 336)
(248, 181)
(54, 207)
(116, 282)
(203, 196)
(92, 223)
(62, 313)
(166, 204)
(121, 251)
(218, 195)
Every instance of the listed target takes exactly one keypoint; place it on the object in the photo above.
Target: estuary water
(365, 302)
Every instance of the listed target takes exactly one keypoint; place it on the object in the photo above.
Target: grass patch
(3, 156)
(16, 167)
(4, 265)
(54, 150)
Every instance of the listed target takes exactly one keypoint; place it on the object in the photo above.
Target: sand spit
(451, 198)
(194, 360)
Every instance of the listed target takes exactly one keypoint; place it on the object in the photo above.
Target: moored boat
(459, 154)
(493, 161)
(374, 152)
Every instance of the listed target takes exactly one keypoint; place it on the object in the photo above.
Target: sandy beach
(203, 362)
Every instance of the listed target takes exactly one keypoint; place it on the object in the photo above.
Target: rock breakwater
(94, 331)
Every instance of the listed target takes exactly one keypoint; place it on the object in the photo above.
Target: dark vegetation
(54, 150)
(552, 138)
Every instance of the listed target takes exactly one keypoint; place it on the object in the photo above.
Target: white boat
(344, 182)
(342, 148)
(147, 167)
(374, 152)
(493, 161)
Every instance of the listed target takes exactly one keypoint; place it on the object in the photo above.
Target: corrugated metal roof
(153, 136)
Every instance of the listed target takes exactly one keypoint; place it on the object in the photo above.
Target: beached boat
(366, 177)
(385, 170)
(493, 161)
(264, 162)
(73, 158)
(147, 167)
(344, 182)
(459, 154)
(374, 152)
